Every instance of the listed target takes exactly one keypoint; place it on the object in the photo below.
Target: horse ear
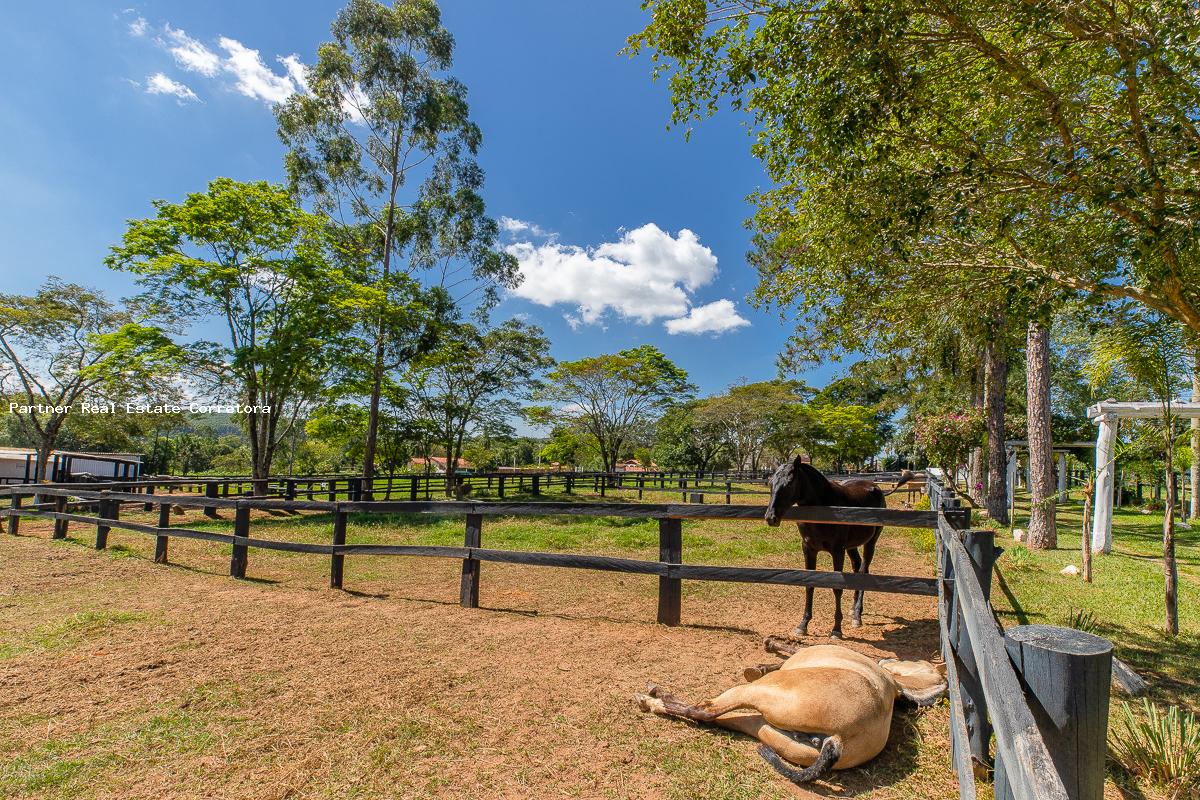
(797, 462)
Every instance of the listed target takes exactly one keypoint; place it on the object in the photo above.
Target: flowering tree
(948, 438)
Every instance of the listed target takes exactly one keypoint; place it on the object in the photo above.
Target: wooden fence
(1043, 691)
(1038, 692)
(695, 487)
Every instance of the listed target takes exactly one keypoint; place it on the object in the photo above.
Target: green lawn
(1125, 597)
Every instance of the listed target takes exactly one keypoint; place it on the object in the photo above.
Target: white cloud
(158, 83)
(296, 70)
(646, 275)
(191, 54)
(719, 316)
(254, 78)
(513, 227)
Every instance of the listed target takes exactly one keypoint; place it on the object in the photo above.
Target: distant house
(633, 465)
(19, 465)
(438, 464)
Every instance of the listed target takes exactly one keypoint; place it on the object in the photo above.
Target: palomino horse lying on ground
(797, 483)
(826, 707)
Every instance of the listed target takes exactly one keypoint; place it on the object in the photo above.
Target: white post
(1102, 519)
(1062, 475)
(1011, 477)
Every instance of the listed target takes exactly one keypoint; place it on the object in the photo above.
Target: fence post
(60, 525)
(537, 484)
(670, 551)
(697, 497)
(160, 541)
(210, 490)
(728, 493)
(148, 505)
(107, 510)
(289, 489)
(337, 561)
(468, 595)
(14, 519)
(354, 489)
(241, 529)
(1066, 675)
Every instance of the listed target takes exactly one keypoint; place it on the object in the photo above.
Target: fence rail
(66, 502)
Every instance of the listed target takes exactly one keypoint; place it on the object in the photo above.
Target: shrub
(923, 504)
(1019, 557)
(923, 540)
(1083, 620)
(1162, 748)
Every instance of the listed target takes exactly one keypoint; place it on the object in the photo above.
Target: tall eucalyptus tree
(382, 139)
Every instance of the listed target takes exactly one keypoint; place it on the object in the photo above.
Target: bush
(922, 504)
(1019, 557)
(1161, 748)
(923, 540)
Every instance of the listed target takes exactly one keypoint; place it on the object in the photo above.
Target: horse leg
(810, 562)
(839, 560)
(868, 554)
(657, 701)
(758, 670)
(856, 563)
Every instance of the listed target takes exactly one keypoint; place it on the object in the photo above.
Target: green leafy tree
(381, 113)
(564, 446)
(1155, 353)
(470, 385)
(685, 439)
(954, 165)
(845, 433)
(750, 415)
(613, 397)
(245, 254)
(992, 121)
(66, 345)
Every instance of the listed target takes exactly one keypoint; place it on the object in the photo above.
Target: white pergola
(1107, 415)
(1060, 450)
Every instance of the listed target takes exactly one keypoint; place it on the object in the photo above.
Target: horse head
(789, 487)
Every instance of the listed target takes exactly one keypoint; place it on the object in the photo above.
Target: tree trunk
(995, 400)
(1195, 424)
(1042, 531)
(975, 461)
(1170, 572)
(377, 368)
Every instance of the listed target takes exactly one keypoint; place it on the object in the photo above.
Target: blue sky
(108, 106)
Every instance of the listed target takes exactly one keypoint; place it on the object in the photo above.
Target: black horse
(800, 484)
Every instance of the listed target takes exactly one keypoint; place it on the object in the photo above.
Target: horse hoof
(856, 623)
(752, 674)
(800, 631)
(835, 635)
(652, 689)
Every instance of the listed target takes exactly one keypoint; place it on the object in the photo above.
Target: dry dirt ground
(122, 678)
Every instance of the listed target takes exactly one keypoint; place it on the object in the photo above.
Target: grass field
(122, 678)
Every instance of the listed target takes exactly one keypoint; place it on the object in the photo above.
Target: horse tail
(905, 477)
(831, 751)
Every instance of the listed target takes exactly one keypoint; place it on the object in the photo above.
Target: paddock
(1027, 753)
